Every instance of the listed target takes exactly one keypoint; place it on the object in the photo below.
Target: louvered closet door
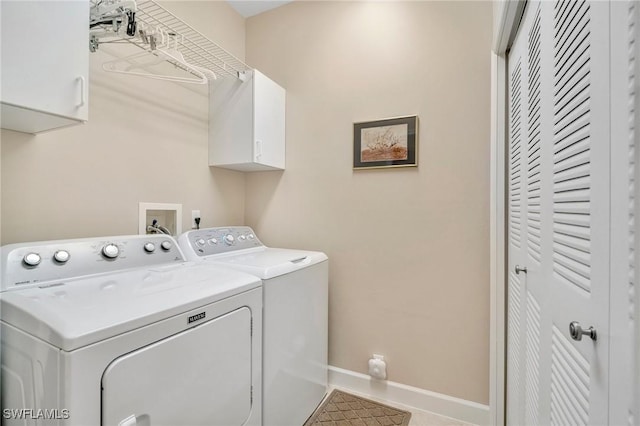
(538, 210)
(527, 294)
(559, 215)
(517, 224)
(580, 213)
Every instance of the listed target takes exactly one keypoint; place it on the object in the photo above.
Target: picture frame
(390, 142)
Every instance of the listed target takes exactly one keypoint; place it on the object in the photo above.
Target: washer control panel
(209, 241)
(30, 264)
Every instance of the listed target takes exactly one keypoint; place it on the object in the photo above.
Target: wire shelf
(196, 48)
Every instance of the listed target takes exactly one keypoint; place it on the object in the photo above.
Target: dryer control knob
(229, 239)
(61, 256)
(149, 247)
(32, 259)
(110, 251)
(166, 245)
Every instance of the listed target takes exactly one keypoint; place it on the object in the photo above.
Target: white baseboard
(422, 399)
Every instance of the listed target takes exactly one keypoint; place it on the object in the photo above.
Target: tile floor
(418, 417)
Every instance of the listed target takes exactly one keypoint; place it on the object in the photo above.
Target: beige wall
(146, 140)
(408, 248)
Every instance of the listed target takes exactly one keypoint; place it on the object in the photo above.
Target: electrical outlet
(194, 214)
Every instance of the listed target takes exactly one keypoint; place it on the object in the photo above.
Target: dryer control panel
(29, 264)
(210, 241)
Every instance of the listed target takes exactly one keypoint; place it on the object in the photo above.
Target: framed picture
(392, 142)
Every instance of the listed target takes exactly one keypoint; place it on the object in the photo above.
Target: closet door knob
(576, 331)
(519, 269)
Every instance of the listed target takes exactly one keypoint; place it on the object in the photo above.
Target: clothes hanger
(163, 47)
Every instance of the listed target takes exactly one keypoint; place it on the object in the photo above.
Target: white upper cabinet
(45, 64)
(247, 123)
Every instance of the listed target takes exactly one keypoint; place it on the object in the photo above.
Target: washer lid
(266, 262)
(76, 313)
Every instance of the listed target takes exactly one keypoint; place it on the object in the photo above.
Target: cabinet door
(269, 122)
(45, 60)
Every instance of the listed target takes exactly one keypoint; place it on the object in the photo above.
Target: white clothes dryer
(123, 331)
(295, 302)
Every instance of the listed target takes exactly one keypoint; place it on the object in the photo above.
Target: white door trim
(497, 342)
(507, 15)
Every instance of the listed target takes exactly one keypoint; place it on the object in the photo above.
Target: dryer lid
(267, 262)
(75, 313)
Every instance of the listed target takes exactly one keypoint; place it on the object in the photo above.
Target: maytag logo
(197, 317)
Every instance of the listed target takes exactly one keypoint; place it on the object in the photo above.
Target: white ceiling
(249, 8)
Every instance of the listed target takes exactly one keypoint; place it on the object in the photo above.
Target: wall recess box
(167, 215)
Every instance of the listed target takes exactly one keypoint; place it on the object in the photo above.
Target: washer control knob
(149, 247)
(251, 236)
(213, 241)
(32, 259)
(229, 239)
(166, 245)
(242, 238)
(110, 251)
(61, 256)
(200, 242)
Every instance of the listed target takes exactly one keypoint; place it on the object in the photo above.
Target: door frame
(507, 15)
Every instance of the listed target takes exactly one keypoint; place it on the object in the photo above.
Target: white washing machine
(123, 331)
(295, 295)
